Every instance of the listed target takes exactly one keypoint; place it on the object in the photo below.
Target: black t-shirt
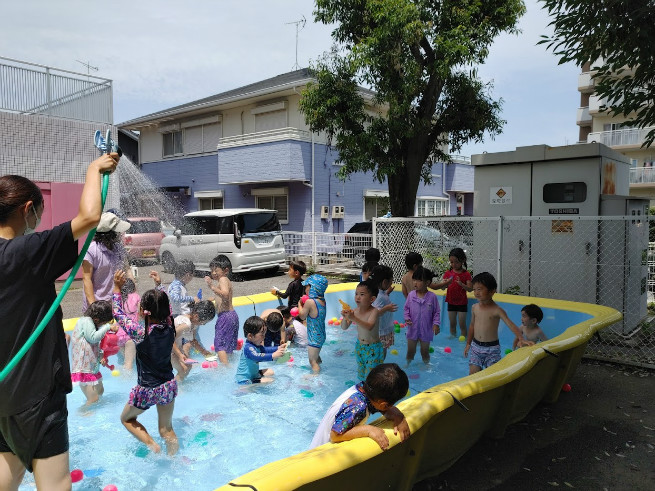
(29, 265)
(293, 292)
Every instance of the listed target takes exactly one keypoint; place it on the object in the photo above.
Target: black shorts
(38, 432)
(457, 308)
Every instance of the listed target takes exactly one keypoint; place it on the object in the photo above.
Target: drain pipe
(313, 207)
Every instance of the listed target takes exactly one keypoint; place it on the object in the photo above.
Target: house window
(172, 143)
(210, 203)
(375, 206)
(273, 199)
(432, 207)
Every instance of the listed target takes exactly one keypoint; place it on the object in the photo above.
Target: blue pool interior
(225, 431)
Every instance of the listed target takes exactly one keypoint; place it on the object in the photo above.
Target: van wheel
(168, 262)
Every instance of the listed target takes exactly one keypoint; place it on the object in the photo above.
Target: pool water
(226, 430)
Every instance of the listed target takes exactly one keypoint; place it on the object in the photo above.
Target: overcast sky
(161, 53)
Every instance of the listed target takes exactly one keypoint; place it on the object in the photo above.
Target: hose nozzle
(106, 145)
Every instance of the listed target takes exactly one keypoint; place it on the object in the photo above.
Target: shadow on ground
(601, 435)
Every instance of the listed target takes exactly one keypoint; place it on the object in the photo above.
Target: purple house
(250, 147)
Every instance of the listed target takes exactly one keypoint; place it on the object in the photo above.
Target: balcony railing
(623, 137)
(265, 137)
(586, 82)
(583, 117)
(27, 88)
(642, 175)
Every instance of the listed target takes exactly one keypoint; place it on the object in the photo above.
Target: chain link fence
(328, 252)
(599, 260)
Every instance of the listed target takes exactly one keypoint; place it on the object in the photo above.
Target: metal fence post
(314, 255)
(499, 272)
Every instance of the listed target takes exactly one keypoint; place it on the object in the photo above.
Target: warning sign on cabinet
(501, 195)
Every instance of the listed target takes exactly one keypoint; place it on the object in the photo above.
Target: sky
(162, 53)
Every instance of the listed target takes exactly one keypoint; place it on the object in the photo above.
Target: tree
(417, 58)
(618, 38)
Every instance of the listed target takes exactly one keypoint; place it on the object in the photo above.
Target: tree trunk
(403, 185)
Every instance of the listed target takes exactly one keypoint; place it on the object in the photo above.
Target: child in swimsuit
(254, 351)
(314, 311)
(186, 337)
(226, 329)
(346, 418)
(156, 384)
(531, 316)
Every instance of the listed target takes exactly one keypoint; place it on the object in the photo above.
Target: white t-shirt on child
(322, 434)
(300, 337)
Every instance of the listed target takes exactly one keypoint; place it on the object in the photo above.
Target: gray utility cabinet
(569, 248)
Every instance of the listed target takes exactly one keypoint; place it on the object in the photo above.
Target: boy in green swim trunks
(368, 348)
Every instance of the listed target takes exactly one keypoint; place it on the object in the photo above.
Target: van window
(201, 225)
(251, 223)
(144, 227)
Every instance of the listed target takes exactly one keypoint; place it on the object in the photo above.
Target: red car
(143, 239)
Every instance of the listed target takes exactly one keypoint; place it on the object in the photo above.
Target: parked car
(143, 239)
(251, 238)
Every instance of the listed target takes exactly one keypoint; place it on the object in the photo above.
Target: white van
(251, 239)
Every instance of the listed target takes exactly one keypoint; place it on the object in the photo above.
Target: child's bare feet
(154, 447)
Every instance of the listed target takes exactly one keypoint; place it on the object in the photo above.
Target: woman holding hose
(33, 414)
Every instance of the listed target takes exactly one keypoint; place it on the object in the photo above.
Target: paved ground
(601, 435)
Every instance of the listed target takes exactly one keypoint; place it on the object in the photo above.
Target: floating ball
(396, 323)
(337, 323)
(334, 319)
(331, 322)
(566, 388)
(394, 351)
(447, 349)
(402, 325)
(341, 318)
(304, 298)
(77, 475)
(115, 373)
(211, 348)
(508, 351)
(462, 339)
(239, 343)
(110, 487)
(290, 359)
(205, 364)
(294, 311)
(397, 329)
(213, 364)
(431, 350)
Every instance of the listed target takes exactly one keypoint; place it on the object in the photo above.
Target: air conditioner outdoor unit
(325, 212)
(338, 211)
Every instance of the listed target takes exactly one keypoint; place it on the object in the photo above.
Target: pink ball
(239, 343)
(294, 312)
(213, 364)
(290, 359)
(304, 298)
(566, 388)
(447, 349)
(205, 364)
(211, 348)
(402, 325)
(77, 475)
(110, 487)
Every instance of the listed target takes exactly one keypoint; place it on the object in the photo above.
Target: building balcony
(642, 175)
(583, 118)
(586, 82)
(595, 103)
(280, 155)
(625, 138)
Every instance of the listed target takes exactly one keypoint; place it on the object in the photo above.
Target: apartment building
(250, 147)
(596, 125)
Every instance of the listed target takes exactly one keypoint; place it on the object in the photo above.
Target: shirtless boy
(368, 349)
(226, 330)
(482, 339)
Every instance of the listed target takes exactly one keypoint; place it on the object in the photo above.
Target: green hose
(39, 329)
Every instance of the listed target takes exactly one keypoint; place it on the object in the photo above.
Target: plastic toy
(462, 339)
(109, 347)
(397, 329)
(294, 312)
(447, 349)
(394, 351)
(508, 351)
(77, 475)
(190, 361)
(110, 487)
(566, 388)
(304, 298)
(431, 350)
(205, 364)
(200, 293)
(345, 306)
(239, 343)
(115, 373)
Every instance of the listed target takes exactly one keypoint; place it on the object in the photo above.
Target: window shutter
(270, 121)
(193, 140)
(211, 135)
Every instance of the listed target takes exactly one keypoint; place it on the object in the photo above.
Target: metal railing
(642, 175)
(615, 138)
(328, 252)
(28, 88)
(264, 137)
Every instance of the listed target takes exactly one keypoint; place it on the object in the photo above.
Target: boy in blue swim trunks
(482, 340)
(314, 311)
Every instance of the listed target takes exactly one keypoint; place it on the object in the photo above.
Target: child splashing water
(458, 281)
(86, 357)
(314, 311)
(421, 315)
(156, 384)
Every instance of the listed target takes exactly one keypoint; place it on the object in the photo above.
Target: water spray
(105, 145)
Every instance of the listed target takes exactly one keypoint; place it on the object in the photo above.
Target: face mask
(29, 230)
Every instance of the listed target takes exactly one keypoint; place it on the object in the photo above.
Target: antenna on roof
(300, 25)
(88, 66)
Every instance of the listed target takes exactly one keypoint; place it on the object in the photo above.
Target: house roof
(280, 81)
